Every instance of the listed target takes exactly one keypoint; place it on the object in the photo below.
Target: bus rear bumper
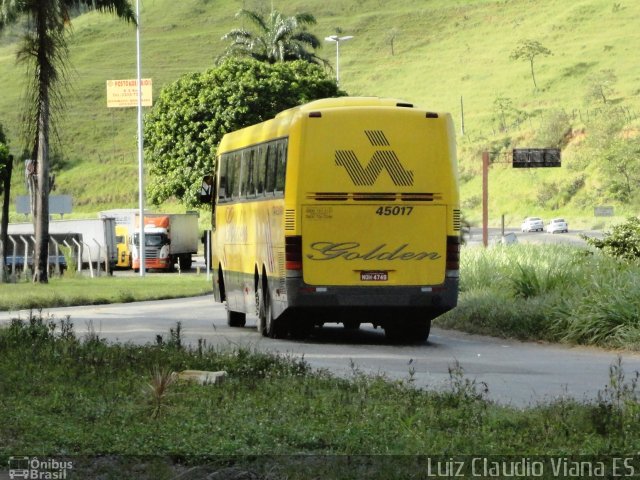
(434, 299)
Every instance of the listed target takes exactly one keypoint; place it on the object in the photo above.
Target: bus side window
(270, 183)
(233, 176)
(281, 165)
(244, 158)
(222, 191)
(251, 174)
(222, 173)
(261, 170)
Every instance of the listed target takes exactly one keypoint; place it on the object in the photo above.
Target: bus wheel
(262, 309)
(236, 319)
(408, 331)
(300, 328)
(418, 331)
(267, 325)
(351, 325)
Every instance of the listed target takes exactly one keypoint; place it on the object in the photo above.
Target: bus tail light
(453, 256)
(293, 252)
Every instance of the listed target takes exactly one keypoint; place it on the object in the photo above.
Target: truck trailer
(92, 241)
(125, 220)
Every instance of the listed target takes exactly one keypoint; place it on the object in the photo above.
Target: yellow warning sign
(124, 93)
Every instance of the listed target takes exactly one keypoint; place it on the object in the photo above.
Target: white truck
(170, 238)
(92, 241)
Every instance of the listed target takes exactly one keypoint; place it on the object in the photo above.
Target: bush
(623, 241)
(549, 292)
(606, 311)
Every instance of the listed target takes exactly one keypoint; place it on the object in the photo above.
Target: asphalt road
(495, 235)
(516, 373)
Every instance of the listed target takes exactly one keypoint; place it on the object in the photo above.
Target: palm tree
(278, 38)
(44, 48)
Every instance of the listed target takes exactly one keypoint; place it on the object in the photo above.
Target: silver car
(532, 224)
(557, 225)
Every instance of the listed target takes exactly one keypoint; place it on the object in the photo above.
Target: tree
(529, 50)
(278, 38)
(44, 49)
(620, 166)
(5, 182)
(391, 38)
(503, 106)
(601, 85)
(192, 114)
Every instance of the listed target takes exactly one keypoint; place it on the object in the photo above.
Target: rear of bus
(372, 228)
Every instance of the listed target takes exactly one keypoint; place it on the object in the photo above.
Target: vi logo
(381, 160)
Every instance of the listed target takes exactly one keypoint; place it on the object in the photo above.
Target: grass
(108, 406)
(445, 53)
(548, 292)
(60, 292)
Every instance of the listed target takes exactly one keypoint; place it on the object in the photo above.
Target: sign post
(522, 158)
(124, 93)
(485, 198)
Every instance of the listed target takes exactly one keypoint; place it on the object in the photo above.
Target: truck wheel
(185, 262)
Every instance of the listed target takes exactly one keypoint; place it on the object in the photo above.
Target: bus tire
(418, 332)
(236, 319)
(261, 307)
(267, 325)
(351, 325)
(300, 328)
(410, 332)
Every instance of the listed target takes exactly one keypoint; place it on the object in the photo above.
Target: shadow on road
(340, 336)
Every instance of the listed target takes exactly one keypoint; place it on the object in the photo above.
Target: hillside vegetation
(446, 55)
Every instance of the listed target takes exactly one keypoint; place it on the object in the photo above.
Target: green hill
(445, 55)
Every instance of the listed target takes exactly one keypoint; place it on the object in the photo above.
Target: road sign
(59, 204)
(536, 157)
(124, 93)
(603, 211)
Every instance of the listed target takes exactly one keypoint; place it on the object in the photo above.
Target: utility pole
(485, 198)
(461, 116)
(141, 246)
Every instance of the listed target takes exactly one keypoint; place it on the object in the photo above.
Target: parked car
(532, 224)
(557, 225)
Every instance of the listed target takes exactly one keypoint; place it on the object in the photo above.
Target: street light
(338, 39)
(142, 243)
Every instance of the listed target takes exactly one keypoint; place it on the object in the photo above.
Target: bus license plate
(374, 276)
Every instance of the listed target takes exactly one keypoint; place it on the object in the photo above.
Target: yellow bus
(342, 210)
